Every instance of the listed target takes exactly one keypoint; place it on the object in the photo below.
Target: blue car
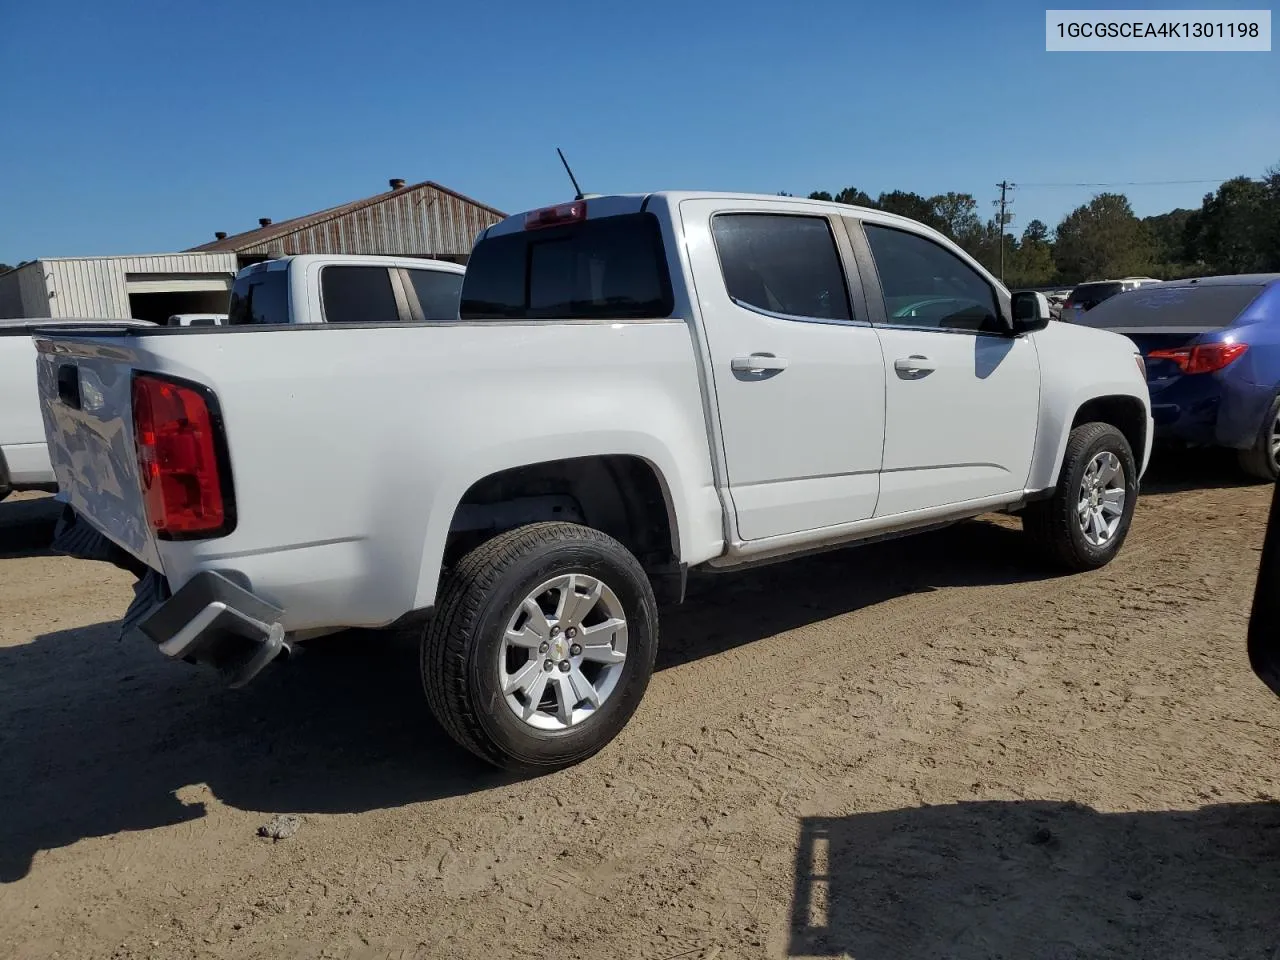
(1212, 353)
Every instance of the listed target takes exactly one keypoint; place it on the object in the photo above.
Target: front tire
(541, 647)
(1262, 460)
(1083, 525)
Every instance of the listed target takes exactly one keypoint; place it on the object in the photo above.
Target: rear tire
(1083, 525)
(519, 602)
(1260, 461)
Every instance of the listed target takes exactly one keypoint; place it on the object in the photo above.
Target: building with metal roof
(421, 220)
(119, 288)
(418, 220)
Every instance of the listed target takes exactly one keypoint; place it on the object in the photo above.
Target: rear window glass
(261, 297)
(1089, 295)
(358, 295)
(1203, 308)
(613, 267)
(437, 292)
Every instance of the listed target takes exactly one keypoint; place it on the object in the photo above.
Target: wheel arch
(1123, 409)
(1124, 412)
(632, 497)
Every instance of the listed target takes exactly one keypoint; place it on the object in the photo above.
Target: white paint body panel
(964, 430)
(802, 445)
(351, 447)
(349, 460)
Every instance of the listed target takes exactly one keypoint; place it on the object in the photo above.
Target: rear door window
(438, 293)
(612, 267)
(358, 295)
(782, 264)
(260, 298)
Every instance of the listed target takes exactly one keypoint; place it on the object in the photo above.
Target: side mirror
(1030, 311)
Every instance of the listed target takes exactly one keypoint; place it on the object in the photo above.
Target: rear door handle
(914, 367)
(758, 363)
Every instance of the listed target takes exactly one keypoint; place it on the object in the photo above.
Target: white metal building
(119, 288)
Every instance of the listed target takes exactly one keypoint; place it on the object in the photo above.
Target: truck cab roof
(624, 203)
(304, 260)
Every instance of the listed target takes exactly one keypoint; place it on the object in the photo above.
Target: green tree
(1168, 235)
(1102, 239)
(1029, 262)
(983, 244)
(1234, 230)
(854, 197)
(5, 268)
(911, 205)
(820, 195)
(957, 213)
(1037, 231)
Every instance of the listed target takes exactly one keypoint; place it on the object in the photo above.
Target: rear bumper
(1211, 412)
(210, 620)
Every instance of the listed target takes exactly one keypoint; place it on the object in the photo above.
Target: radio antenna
(572, 179)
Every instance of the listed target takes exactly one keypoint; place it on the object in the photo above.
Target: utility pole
(1005, 186)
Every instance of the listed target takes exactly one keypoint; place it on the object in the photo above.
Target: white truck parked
(345, 288)
(637, 386)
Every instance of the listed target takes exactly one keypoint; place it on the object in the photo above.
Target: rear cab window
(260, 297)
(604, 268)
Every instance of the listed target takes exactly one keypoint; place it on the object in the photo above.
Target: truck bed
(350, 446)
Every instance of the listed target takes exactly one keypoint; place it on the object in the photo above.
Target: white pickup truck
(636, 386)
(345, 288)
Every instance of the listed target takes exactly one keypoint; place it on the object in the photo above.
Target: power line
(1132, 183)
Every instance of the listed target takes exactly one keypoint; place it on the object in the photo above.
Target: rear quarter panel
(1249, 385)
(351, 447)
(1258, 326)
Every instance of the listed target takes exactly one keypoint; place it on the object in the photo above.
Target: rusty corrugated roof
(259, 238)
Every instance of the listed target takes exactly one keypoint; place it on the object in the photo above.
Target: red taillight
(177, 443)
(1204, 358)
(553, 216)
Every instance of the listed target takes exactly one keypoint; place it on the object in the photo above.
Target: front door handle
(757, 363)
(914, 367)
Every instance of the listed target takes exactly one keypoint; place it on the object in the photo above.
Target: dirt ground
(916, 749)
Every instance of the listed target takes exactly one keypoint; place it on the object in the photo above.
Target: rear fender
(692, 508)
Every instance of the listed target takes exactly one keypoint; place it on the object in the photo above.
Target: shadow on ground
(1039, 880)
(96, 735)
(1173, 470)
(26, 525)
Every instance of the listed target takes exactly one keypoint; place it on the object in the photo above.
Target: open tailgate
(85, 383)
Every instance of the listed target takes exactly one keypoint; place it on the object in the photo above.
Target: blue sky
(145, 126)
